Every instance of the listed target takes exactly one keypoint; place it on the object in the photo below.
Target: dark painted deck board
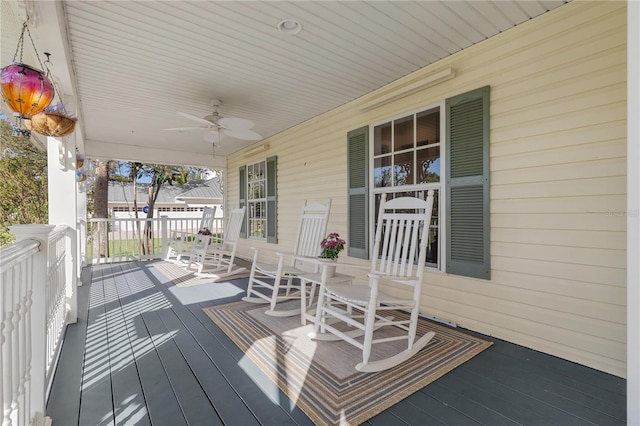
(96, 406)
(466, 404)
(534, 383)
(512, 404)
(585, 379)
(64, 399)
(223, 397)
(194, 402)
(257, 391)
(161, 403)
(386, 418)
(128, 398)
(144, 352)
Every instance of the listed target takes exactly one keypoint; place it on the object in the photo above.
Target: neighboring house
(174, 201)
(523, 137)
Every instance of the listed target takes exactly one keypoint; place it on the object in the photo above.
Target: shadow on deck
(144, 352)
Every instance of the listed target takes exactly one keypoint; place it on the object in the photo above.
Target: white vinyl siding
(557, 182)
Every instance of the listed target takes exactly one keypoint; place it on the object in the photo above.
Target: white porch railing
(125, 239)
(37, 300)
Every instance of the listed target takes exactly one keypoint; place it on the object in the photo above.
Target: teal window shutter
(272, 205)
(358, 192)
(243, 199)
(467, 178)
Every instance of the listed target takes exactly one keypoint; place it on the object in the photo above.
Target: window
(258, 194)
(444, 148)
(406, 162)
(257, 200)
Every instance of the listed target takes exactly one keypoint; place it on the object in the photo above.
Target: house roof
(204, 190)
(132, 65)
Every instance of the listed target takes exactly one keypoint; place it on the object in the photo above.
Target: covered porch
(125, 328)
(144, 352)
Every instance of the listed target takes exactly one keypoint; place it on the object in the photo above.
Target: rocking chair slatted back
(180, 241)
(232, 231)
(402, 236)
(312, 229)
(208, 214)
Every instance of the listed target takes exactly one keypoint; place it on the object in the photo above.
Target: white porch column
(61, 155)
(633, 213)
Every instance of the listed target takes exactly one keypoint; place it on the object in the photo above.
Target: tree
(101, 206)
(23, 187)
(158, 175)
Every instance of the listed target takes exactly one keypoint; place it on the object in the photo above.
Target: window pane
(382, 172)
(428, 127)
(260, 192)
(428, 165)
(432, 248)
(256, 203)
(403, 133)
(382, 139)
(403, 169)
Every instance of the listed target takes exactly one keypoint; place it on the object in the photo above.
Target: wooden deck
(143, 352)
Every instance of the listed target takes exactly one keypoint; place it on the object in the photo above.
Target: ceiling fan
(239, 128)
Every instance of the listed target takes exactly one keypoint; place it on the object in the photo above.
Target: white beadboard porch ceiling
(137, 63)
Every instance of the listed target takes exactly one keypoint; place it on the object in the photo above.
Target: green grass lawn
(131, 247)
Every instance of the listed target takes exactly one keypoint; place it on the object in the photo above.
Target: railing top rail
(17, 252)
(124, 219)
(58, 232)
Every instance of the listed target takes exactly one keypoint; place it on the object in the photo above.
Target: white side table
(307, 311)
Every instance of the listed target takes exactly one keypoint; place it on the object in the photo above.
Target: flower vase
(331, 268)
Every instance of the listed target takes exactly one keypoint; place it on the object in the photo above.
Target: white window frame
(252, 201)
(439, 186)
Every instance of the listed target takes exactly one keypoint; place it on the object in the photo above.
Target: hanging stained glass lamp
(25, 89)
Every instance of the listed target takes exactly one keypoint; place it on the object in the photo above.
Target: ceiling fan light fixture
(289, 26)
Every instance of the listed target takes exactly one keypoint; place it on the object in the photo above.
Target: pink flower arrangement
(204, 231)
(332, 246)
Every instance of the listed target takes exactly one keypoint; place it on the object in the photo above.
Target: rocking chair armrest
(309, 259)
(382, 275)
(327, 262)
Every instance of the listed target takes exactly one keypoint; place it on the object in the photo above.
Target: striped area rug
(320, 377)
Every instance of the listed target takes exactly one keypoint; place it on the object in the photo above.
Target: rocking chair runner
(180, 241)
(207, 252)
(398, 256)
(265, 281)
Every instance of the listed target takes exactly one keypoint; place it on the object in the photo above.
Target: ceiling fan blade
(197, 119)
(186, 129)
(232, 123)
(245, 134)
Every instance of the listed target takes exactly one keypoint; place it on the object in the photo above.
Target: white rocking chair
(398, 256)
(206, 251)
(180, 242)
(264, 276)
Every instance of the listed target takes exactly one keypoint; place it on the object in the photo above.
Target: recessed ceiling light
(289, 26)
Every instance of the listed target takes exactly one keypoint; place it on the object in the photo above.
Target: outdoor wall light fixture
(25, 89)
(289, 26)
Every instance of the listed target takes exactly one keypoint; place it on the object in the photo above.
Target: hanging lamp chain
(20, 46)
